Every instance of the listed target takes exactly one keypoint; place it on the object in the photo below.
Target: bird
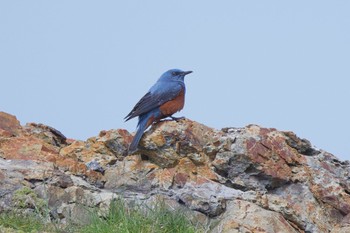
(164, 98)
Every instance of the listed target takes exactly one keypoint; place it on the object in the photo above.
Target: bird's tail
(141, 127)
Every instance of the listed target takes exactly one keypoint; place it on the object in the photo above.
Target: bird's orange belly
(173, 106)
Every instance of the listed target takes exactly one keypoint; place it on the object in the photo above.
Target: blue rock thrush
(166, 97)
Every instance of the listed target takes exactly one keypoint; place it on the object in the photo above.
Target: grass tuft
(120, 218)
(139, 219)
(22, 223)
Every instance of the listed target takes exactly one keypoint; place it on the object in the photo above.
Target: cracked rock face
(250, 179)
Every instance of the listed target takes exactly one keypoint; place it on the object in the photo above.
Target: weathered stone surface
(46, 133)
(330, 181)
(38, 143)
(243, 216)
(169, 141)
(9, 125)
(104, 149)
(249, 179)
(28, 169)
(253, 152)
(298, 205)
(131, 174)
(28, 148)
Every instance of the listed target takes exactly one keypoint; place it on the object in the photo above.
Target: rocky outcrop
(249, 179)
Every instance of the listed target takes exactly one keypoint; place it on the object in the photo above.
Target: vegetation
(139, 219)
(118, 219)
(25, 197)
(31, 214)
(12, 222)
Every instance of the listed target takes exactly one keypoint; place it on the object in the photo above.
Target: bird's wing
(157, 95)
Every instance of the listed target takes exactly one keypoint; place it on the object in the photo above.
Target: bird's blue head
(174, 75)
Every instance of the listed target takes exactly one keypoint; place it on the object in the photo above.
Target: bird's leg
(177, 118)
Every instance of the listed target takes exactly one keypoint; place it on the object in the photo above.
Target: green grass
(22, 223)
(30, 214)
(137, 219)
(119, 219)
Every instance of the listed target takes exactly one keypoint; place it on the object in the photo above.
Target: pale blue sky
(80, 66)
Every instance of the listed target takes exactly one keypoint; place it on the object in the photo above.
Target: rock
(253, 152)
(94, 166)
(329, 181)
(29, 170)
(131, 174)
(297, 204)
(208, 198)
(43, 144)
(249, 179)
(46, 133)
(61, 180)
(243, 216)
(303, 146)
(9, 125)
(169, 141)
(104, 149)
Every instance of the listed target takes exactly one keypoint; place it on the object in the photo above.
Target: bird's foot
(177, 118)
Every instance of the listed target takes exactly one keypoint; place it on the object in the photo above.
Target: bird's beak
(187, 72)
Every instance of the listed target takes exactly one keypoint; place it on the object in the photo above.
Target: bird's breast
(173, 106)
